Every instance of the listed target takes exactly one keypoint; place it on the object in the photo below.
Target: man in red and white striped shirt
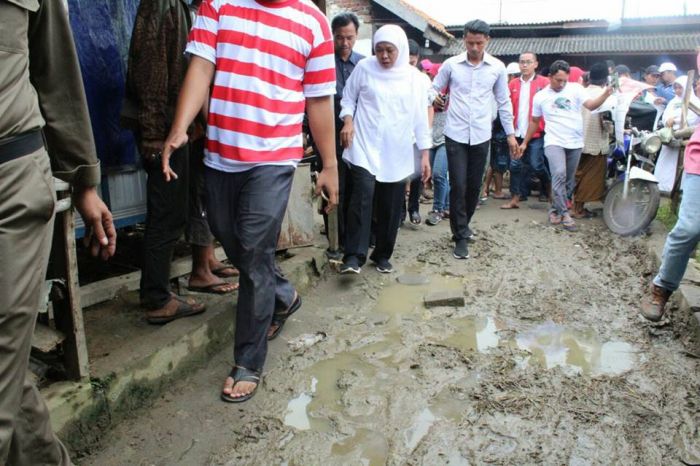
(268, 60)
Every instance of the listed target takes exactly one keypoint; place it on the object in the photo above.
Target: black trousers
(166, 219)
(416, 186)
(365, 193)
(466, 165)
(245, 212)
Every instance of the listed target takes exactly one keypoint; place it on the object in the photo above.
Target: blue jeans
(441, 182)
(520, 169)
(682, 240)
(538, 162)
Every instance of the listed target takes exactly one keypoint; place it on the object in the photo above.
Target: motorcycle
(633, 198)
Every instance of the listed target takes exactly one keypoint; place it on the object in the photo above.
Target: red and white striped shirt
(269, 57)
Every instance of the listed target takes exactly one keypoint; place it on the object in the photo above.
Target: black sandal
(184, 309)
(241, 374)
(279, 318)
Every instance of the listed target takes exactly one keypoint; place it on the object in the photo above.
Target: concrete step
(131, 362)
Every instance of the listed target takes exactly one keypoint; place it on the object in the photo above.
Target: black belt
(18, 146)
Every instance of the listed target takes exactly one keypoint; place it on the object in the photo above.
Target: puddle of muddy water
(580, 352)
(474, 334)
(398, 298)
(296, 415)
(421, 426)
(550, 345)
(368, 447)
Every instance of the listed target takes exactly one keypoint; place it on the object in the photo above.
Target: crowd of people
(219, 130)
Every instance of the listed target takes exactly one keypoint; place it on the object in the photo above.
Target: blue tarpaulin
(102, 30)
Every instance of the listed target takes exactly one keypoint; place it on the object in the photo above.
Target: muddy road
(547, 362)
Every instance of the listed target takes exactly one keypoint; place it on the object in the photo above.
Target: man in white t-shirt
(560, 105)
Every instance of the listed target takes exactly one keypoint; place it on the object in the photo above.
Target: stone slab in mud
(444, 298)
(549, 363)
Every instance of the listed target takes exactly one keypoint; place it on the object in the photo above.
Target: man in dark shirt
(344, 27)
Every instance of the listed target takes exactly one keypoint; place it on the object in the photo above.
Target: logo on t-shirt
(563, 103)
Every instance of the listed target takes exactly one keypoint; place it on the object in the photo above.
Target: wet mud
(548, 362)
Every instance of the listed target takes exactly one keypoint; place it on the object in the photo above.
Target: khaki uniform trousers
(27, 201)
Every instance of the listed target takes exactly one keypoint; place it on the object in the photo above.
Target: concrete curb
(81, 412)
(688, 295)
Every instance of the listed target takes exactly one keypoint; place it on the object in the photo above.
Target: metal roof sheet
(594, 43)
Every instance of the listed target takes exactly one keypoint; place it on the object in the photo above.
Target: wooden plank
(104, 290)
(69, 312)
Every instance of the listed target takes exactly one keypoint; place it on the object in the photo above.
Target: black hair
(413, 47)
(343, 19)
(534, 55)
(599, 74)
(557, 66)
(610, 63)
(622, 69)
(477, 26)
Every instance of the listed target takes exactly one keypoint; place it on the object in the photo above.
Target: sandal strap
(242, 374)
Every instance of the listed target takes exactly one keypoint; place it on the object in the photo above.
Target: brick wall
(361, 8)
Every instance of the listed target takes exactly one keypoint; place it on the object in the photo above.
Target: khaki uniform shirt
(41, 86)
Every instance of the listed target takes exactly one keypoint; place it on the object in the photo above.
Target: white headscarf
(682, 81)
(397, 37)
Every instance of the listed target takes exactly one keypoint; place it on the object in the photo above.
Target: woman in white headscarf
(384, 113)
(665, 169)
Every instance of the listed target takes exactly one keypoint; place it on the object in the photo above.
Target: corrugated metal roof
(596, 43)
(566, 22)
(451, 27)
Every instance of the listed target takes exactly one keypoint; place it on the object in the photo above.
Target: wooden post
(68, 311)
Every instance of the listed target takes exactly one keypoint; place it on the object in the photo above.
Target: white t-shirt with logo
(562, 115)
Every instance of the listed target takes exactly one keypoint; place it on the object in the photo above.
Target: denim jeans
(521, 169)
(245, 211)
(682, 240)
(538, 162)
(441, 182)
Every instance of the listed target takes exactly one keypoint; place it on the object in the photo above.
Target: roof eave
(417, 21)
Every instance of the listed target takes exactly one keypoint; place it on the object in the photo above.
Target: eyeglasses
(526, 62)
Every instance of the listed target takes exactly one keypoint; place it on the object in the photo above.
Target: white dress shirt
(471, 89)
(524, 107)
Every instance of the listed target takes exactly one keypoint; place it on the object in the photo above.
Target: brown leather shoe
(653, 306)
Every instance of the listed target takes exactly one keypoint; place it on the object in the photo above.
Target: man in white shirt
(560, 105)
(474, 79)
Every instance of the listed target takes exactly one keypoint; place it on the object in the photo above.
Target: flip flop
(509, 206)
(241, 374)
(569, 225)
(501, 197)
(219, 272)
(279, 318)
(184, 309)
(214, 288)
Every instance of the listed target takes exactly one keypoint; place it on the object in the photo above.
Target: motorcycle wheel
(631, 216)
